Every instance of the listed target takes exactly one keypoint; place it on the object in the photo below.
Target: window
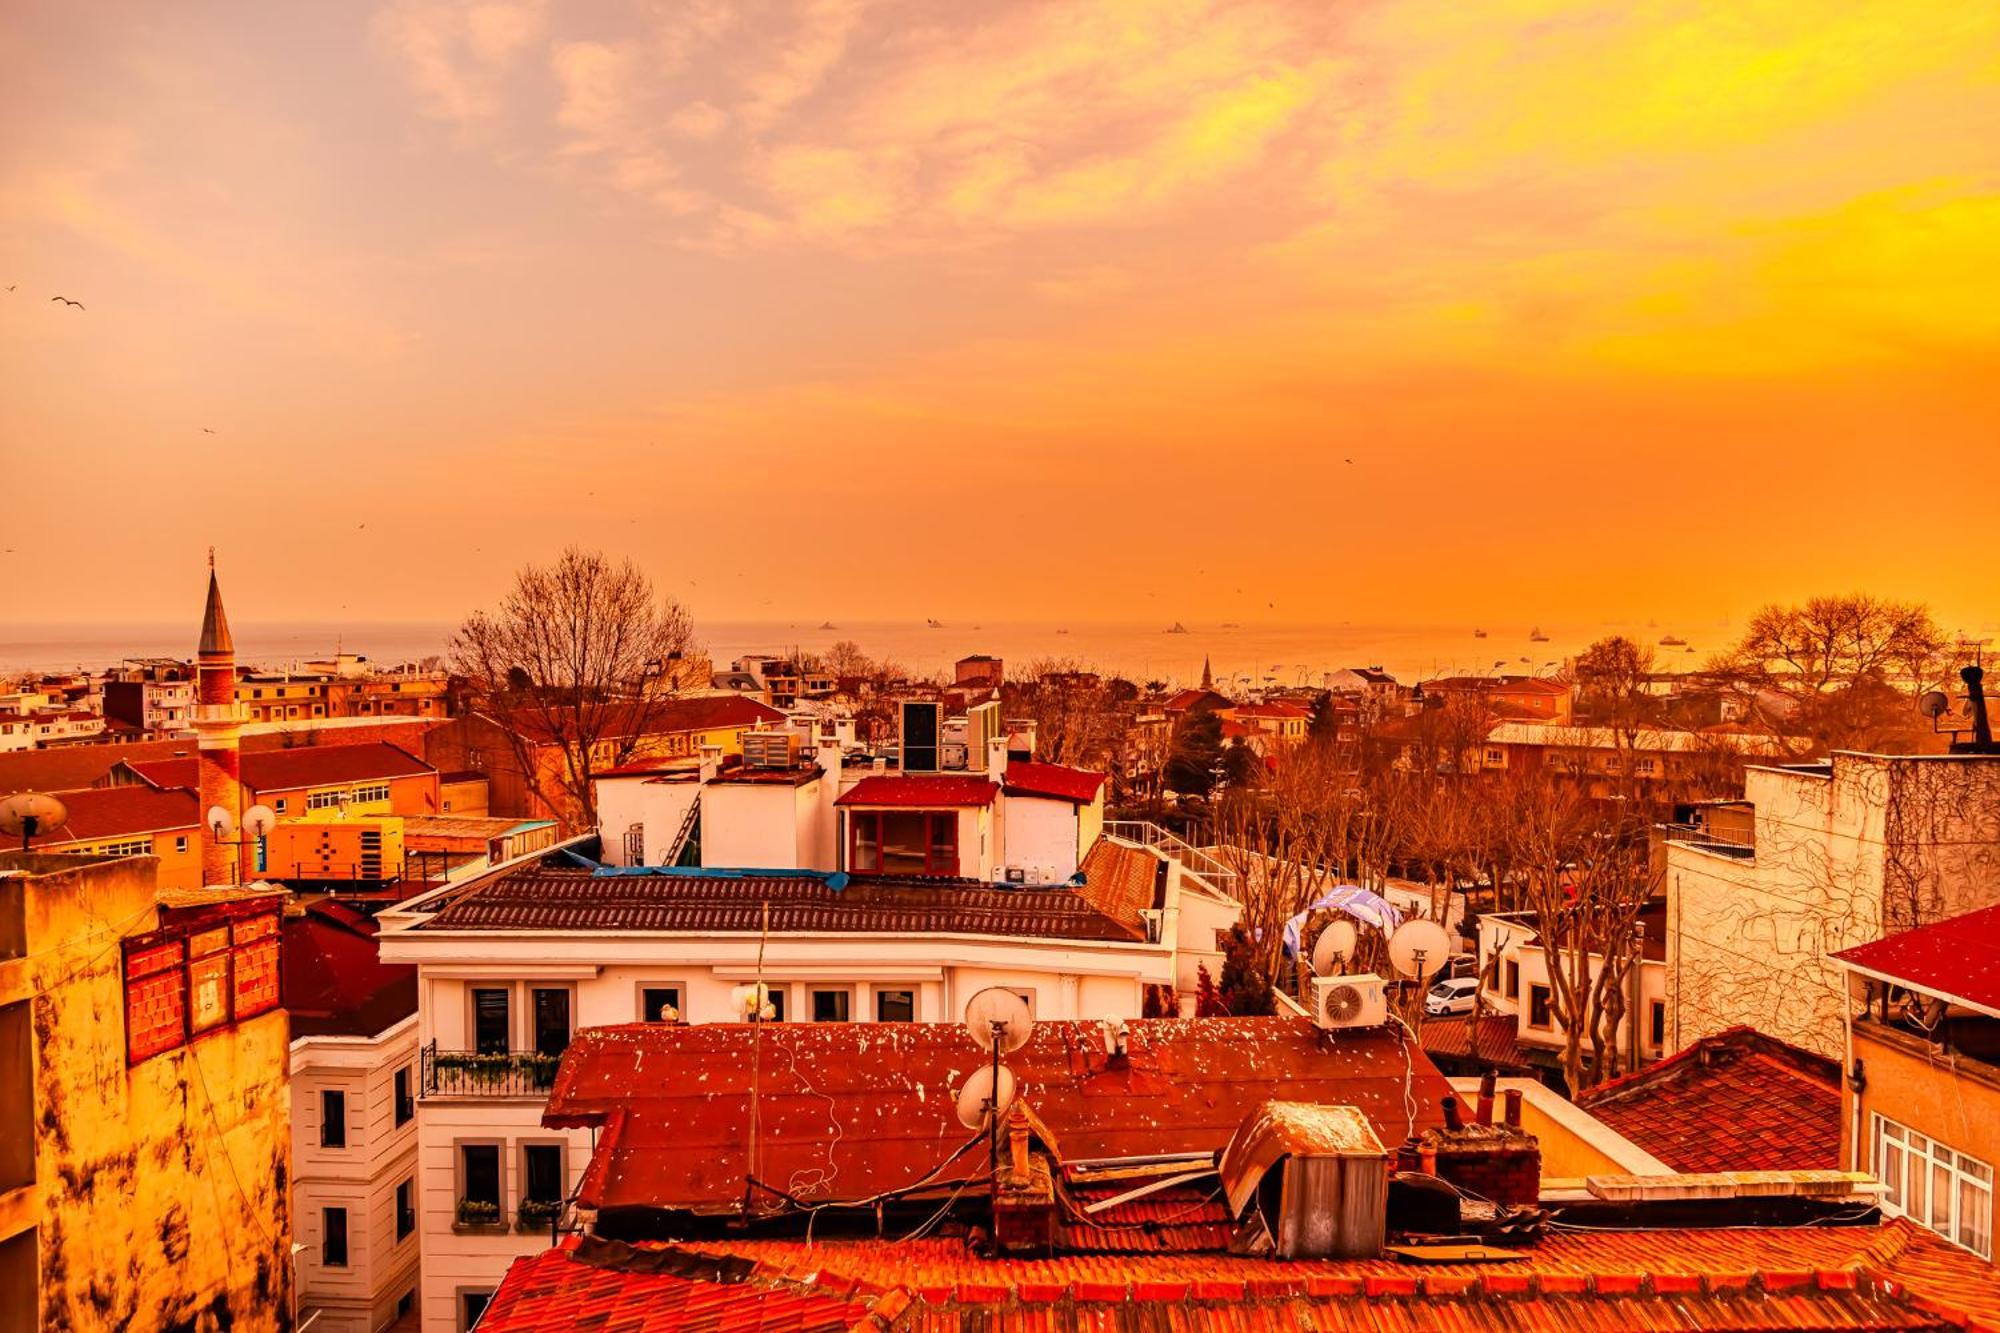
(333, 1241)
(128, 847)
(551, 1011)
(181, 843)
(1935, 1187)
(479, 1177)
(1656, 1026)
(323, 800)
(406, 1303)
(830, 1004)
(1513, 971)
(1540, 1014)
(490, 1035)
(904, 842)
(471, 1305)
(895, 1006)
(776, 996)
(278, 806)
(542, 1172)
(332, 1119)
(406, 1105)
(374, 791)
(659, 1004)
(406, 1208)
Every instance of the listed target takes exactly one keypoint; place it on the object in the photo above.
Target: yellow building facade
(145, 1144)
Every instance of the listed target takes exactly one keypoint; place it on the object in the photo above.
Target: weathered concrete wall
(160, 1190)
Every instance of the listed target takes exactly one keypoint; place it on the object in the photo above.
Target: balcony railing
(1211, 873)
(1699, 835)
(487, 1073)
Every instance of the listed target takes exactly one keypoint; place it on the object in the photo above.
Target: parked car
(1453, 995)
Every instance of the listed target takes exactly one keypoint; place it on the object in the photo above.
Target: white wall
(1041, 838)
(361, 1177)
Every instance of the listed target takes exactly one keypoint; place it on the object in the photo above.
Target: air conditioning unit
(770, 749)
(1349, 1002)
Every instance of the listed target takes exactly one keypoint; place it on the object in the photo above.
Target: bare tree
(1077, 719)
(846, 660)
(1843, 667)
(569, 665)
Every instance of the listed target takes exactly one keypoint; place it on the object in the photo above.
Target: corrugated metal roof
(545, 897)
(870, 1106)
(1959, 958)
(1055, 781)
(932, 790)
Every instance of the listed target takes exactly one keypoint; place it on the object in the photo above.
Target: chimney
(1024, 1194)
(996, 759)
(1501, 1162)
(711, 763)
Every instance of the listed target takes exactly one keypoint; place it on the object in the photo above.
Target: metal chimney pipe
(1513, 1108)
(1487, 1081)
(1454, 1117)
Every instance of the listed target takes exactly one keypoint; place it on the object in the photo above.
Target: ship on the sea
(1478, 633)
(1536, 636)
(1177, 628)
(1673, 641)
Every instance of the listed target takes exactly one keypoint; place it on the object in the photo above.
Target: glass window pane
(895, 1006)
(551, 1020)
(905, 841)
(481, 1165)
(867, 843)
(1890, 1169)
(544, 1172)
(1941, 1197)
(829, 1006)
(660, 1004)
(489, 1020)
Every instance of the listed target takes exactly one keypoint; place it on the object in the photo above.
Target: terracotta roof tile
(1737, 1101)
(301, 766)
(111, 812)
(545, 898)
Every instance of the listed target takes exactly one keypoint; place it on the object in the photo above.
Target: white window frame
(1898, 1148)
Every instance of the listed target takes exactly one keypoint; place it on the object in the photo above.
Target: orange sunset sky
(870, 309)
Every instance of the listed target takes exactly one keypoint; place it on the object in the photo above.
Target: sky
(1403, 311)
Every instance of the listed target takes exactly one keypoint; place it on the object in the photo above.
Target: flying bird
(206, 431)
(1350, 462)
(12, 285)
(64, 299)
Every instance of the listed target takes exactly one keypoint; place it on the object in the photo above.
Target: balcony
(487, 1073)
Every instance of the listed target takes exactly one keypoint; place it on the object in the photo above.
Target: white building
(354, 1131)
(1514, 972)
(856, 893)
(1814, 859)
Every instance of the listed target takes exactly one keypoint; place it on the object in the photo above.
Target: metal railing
(487, 1073)
(1209, 872)
(1697, 835)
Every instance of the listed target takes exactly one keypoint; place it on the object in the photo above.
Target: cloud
(456, 57)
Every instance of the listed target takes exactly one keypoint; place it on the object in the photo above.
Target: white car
(1453, 995)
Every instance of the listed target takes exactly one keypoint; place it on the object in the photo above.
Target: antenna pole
(993, 1100)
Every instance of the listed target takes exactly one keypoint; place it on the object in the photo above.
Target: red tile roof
(1958, 958)
(606, 1287)
(1184, 700)
(707, 712)
(926, 790)
(113, 812)
(1057, 781)
(554, 898)
(1737, 1101)
(1272, 710)
(1754, 1279)
(68, 767)
(872, 1106)
(335, 982)
(1491, 1039)
(301, 766)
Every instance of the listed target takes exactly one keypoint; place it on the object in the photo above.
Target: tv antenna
(1333, 948)
(1000, 1023)
(26, 815)
(1419, 948)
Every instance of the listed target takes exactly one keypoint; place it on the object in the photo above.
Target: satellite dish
(257, 821)
(26, 814)
(1419, 948)
(998, 1017)
(978, 1100)
(221, 821)
(1335, 942)
(1933, 704)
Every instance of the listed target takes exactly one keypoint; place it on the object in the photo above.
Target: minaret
(218, 724)
(1207, 676)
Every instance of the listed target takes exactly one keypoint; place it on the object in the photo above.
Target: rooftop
(706, 712)
(111, 812)
(874, 1105)
(1056, 781)
(1957, 960)
(335, 983)
(1736, 1101)
(1895, 1276)
(553, 896)
(300, 766)
(921, 790)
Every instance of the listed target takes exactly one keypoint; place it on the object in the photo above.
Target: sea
(1244, 655)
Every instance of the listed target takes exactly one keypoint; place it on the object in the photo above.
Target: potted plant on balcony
(540, 1068)
(478, 1213)
(536, 1214)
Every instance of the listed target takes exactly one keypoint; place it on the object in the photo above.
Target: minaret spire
(218, 722)
(1207, 676)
